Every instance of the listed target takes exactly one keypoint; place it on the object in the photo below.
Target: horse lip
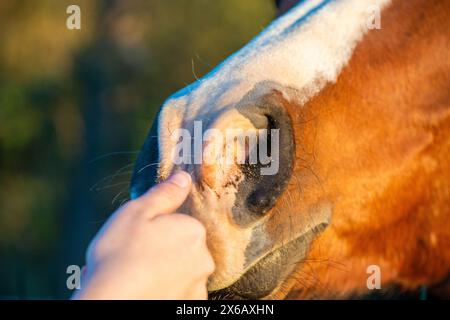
(248, 286)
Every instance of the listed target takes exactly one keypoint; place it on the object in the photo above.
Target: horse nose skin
(262, 181)
(258, 192)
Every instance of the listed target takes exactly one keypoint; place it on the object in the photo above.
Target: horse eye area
(265, 180)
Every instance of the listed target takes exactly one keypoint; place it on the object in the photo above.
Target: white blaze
(304, 49)
(299, 53)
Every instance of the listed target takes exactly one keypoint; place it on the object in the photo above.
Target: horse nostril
(266, 180)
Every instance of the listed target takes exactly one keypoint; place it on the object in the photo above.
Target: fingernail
(181, 179)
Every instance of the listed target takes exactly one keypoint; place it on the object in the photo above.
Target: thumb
(167, 196)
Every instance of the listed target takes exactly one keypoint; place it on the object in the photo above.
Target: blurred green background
(75, 106)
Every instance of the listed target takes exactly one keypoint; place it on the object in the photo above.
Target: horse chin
(265, 275)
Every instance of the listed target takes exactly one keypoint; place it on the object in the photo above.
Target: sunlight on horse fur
(370, 125)
(297, 51)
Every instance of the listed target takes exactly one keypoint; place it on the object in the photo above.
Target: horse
(359, 94)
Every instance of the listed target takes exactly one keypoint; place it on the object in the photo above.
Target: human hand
(145, 251)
